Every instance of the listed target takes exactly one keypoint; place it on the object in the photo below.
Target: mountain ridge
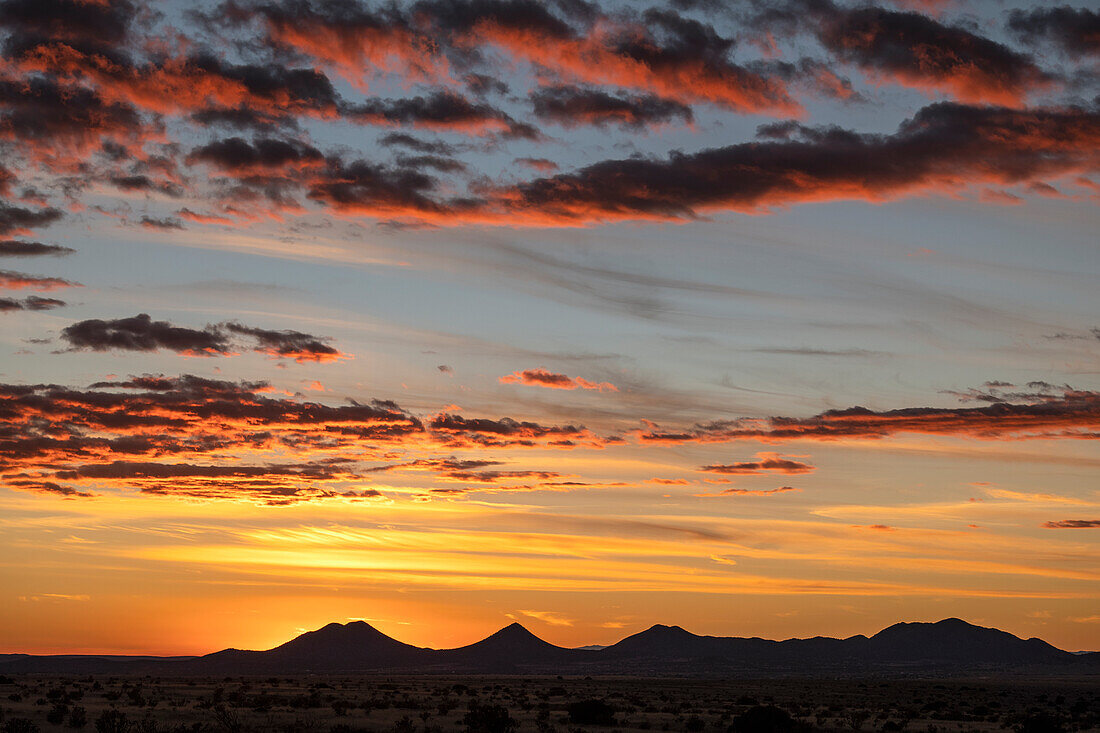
(946, 647)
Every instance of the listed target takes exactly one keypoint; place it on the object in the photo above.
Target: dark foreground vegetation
(409, 704)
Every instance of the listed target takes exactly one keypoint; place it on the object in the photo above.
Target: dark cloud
(402, 139)
(440, 110)
(166, 223)
(301, 347)
(58, 121)
(458, 431)
(31, 303)
(944, 145)
(142, 333)
(147, 470)
(140, 182)
(107, 22)
(571, 106)
(434, 162)
(482, 85)
(374, 189)
(1073, 524)
(239, 155)
(919, 51)
(765, 462)
(466, 16)
(1045, 412)
(15, 248)
(49, 487)
(17, 220)
(1075, 30)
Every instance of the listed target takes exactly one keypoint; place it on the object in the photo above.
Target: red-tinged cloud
(191, 436)
(462, 431)
(22, 281)
(543, 165)
(914, 50)
(211, 439)
(662, 53)
(361, 42)
(1073, 524)
(542, 378)
(301, 347)
(945, 148)
(764, 463)
(1049, 413)
(57, 125)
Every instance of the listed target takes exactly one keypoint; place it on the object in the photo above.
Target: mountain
(945, 648)
(352, 647)
(511, 649)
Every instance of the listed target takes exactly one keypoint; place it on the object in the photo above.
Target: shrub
(78, 717)
(19, 725)
(766, 719)
(489, 719)
(591, 712)
(112, 721)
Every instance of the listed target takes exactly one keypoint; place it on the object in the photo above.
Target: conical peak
(514, 630)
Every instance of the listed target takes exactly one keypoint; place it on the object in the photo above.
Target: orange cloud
(542, 378)
(765, 462)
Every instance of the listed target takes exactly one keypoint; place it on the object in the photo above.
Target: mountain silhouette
(948, 647)
(512, 648)
(351, 647)
(955, 640)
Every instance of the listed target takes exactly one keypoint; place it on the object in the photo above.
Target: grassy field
(342, 704)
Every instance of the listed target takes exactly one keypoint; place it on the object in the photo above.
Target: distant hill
(945, 648)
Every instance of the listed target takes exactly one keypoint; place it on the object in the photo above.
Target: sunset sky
(761, 318)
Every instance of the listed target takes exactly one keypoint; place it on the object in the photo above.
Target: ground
(350, 703)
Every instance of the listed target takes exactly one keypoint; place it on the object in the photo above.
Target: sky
(764, 319)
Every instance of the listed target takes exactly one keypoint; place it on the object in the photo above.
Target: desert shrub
(20, 725)
(766, 719)
(695, 724)
(489, 719)
(590, 712)
(1040, 723)
(112, 721)
(57, 714)
(78, 717)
